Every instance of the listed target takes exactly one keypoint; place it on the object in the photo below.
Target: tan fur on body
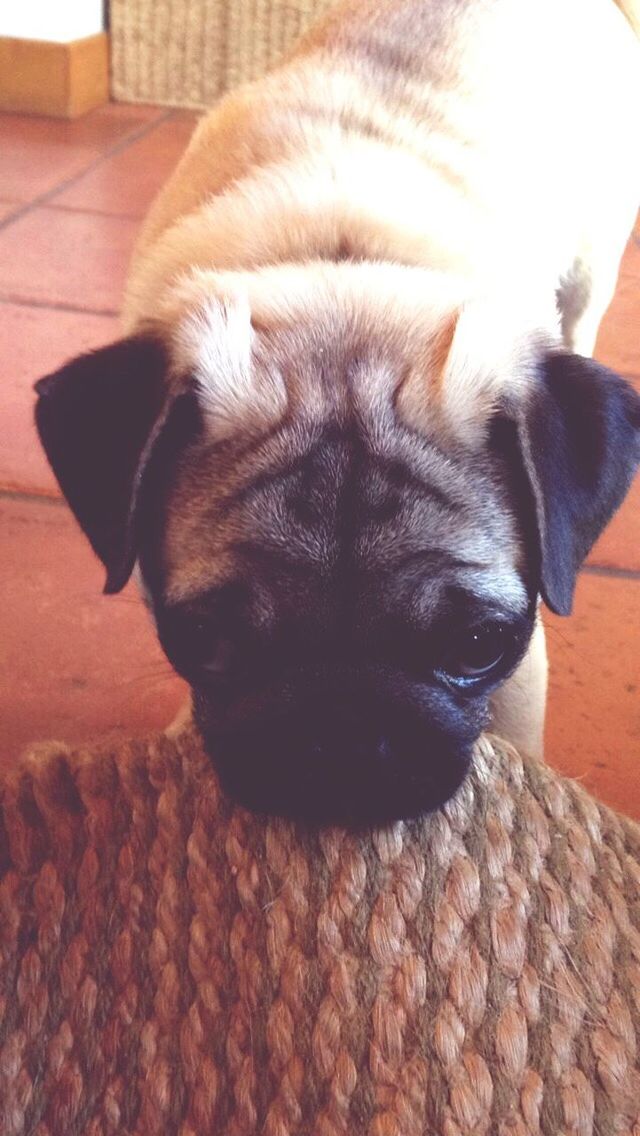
(631, 9)
(171, 964)
(388, 137)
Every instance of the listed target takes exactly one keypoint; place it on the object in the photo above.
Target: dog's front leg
(518, 707)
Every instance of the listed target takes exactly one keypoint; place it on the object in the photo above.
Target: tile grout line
(16, 210)
(31, 496)
(117, 148)
(50, 306)
(61, 208)
(611, 572)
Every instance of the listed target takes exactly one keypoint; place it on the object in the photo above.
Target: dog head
(345, 491)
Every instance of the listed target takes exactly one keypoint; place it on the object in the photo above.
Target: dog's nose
(340, 748)
(350, 734)
(353, 765)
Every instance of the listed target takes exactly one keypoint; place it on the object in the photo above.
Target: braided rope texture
(188, 52)
(171, 964)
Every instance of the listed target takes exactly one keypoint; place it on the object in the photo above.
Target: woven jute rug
(174, 965)
(187, 52)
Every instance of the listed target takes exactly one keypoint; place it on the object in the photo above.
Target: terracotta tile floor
(74, 664)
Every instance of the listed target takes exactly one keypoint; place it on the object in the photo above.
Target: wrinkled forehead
(318, 508)
(345, 416)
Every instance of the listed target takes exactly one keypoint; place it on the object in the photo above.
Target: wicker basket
(187, 52)
(171, 965)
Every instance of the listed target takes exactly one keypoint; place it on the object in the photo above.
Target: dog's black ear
(579, 434)
(98, 419)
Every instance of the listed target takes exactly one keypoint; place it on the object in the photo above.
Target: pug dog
(353, 433)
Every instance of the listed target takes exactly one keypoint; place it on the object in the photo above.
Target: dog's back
(472, 136)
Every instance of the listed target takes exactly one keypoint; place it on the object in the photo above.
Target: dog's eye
(477, 652)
